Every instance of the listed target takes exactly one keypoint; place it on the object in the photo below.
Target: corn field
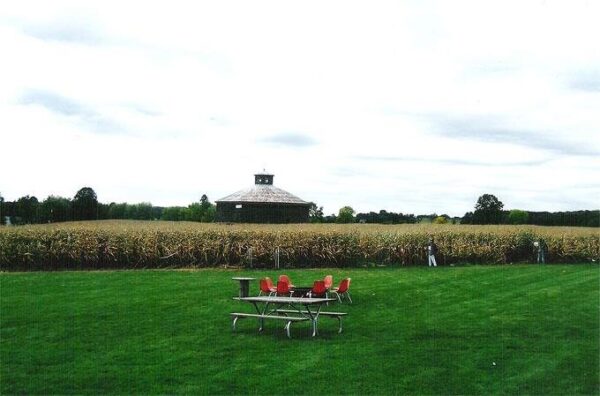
(138, 244)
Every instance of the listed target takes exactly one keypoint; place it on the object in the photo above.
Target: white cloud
(413, 107)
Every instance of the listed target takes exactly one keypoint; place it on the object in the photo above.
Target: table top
(286, 300)
(242, 278)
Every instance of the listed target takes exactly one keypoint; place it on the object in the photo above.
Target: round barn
(262, 203)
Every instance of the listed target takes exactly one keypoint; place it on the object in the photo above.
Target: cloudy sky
(408, 106)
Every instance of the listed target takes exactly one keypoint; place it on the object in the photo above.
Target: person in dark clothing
(431, 252)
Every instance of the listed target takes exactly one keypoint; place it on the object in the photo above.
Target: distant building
(262, 203)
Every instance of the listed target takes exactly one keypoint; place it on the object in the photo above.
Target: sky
(407, 106)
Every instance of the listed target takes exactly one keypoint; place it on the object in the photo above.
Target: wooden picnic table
(280, 308)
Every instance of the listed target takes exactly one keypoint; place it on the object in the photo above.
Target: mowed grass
(453, 330)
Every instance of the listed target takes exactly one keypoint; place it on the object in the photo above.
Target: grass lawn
(463, 330)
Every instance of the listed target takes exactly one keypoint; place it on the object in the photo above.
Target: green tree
(203, 211)
(517, 216)
(27, 209)
(209, 214)
(85, 204)
(467, 218)
(315, 213)
(139, 211)
(194, 212)
(204, 202)
(103, 211)
(174, 213)
(54, 209)
(345, 215)
(488, 210)
(440, 220)
(117, 210)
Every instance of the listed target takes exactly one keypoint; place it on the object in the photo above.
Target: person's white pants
(432, 262)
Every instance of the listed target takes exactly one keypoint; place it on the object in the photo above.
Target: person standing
(541, 249)
(431, 252)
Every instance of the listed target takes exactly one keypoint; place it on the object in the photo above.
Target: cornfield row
(130, 244)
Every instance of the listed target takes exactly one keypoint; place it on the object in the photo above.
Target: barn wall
(261, 213)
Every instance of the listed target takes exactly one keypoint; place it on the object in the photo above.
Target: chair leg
(338, 296)
(349, 299)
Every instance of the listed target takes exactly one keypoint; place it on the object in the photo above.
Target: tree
(315, 213)
(203, 211)
(346, 215)
(332, 218)
(488, 210)
(54, 209)
(517, 216)
(1, 209)
(85, 204)
(467, 218)
(440, 220)
(139, 211)
(174, 213)
(117, 210)
(27, 210)
(194, 212)
(204, 202)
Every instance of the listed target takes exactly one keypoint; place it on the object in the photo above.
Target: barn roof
(263, 191)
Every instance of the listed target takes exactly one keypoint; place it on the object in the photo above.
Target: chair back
(344, 285)
(284, 278)
(283, 287)
(319, 288)
(264, 285)
(328, 281)
(269, 283)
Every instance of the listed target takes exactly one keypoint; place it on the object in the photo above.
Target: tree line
(488, 210)
(85, 206)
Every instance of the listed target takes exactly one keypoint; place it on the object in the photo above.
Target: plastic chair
(283, 288)
(342, 290)
(328, 281)
(318, 289)
(266, 286)
(286, 279)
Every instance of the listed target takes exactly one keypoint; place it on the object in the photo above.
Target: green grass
(462, 330)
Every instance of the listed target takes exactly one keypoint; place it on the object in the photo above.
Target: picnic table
(287, 309)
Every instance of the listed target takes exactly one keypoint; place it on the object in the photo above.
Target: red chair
(266, 286)
(342, 290)
(328, 281)
(284, 289)
(286, 279)
(318, 289)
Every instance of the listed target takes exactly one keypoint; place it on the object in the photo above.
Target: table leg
(244, 288)
(261, 321)
(314, 317)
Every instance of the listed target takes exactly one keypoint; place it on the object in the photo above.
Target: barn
(262, 203)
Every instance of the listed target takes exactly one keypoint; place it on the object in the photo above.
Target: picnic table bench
(300, 306)
(334, 315)
(288, 319)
